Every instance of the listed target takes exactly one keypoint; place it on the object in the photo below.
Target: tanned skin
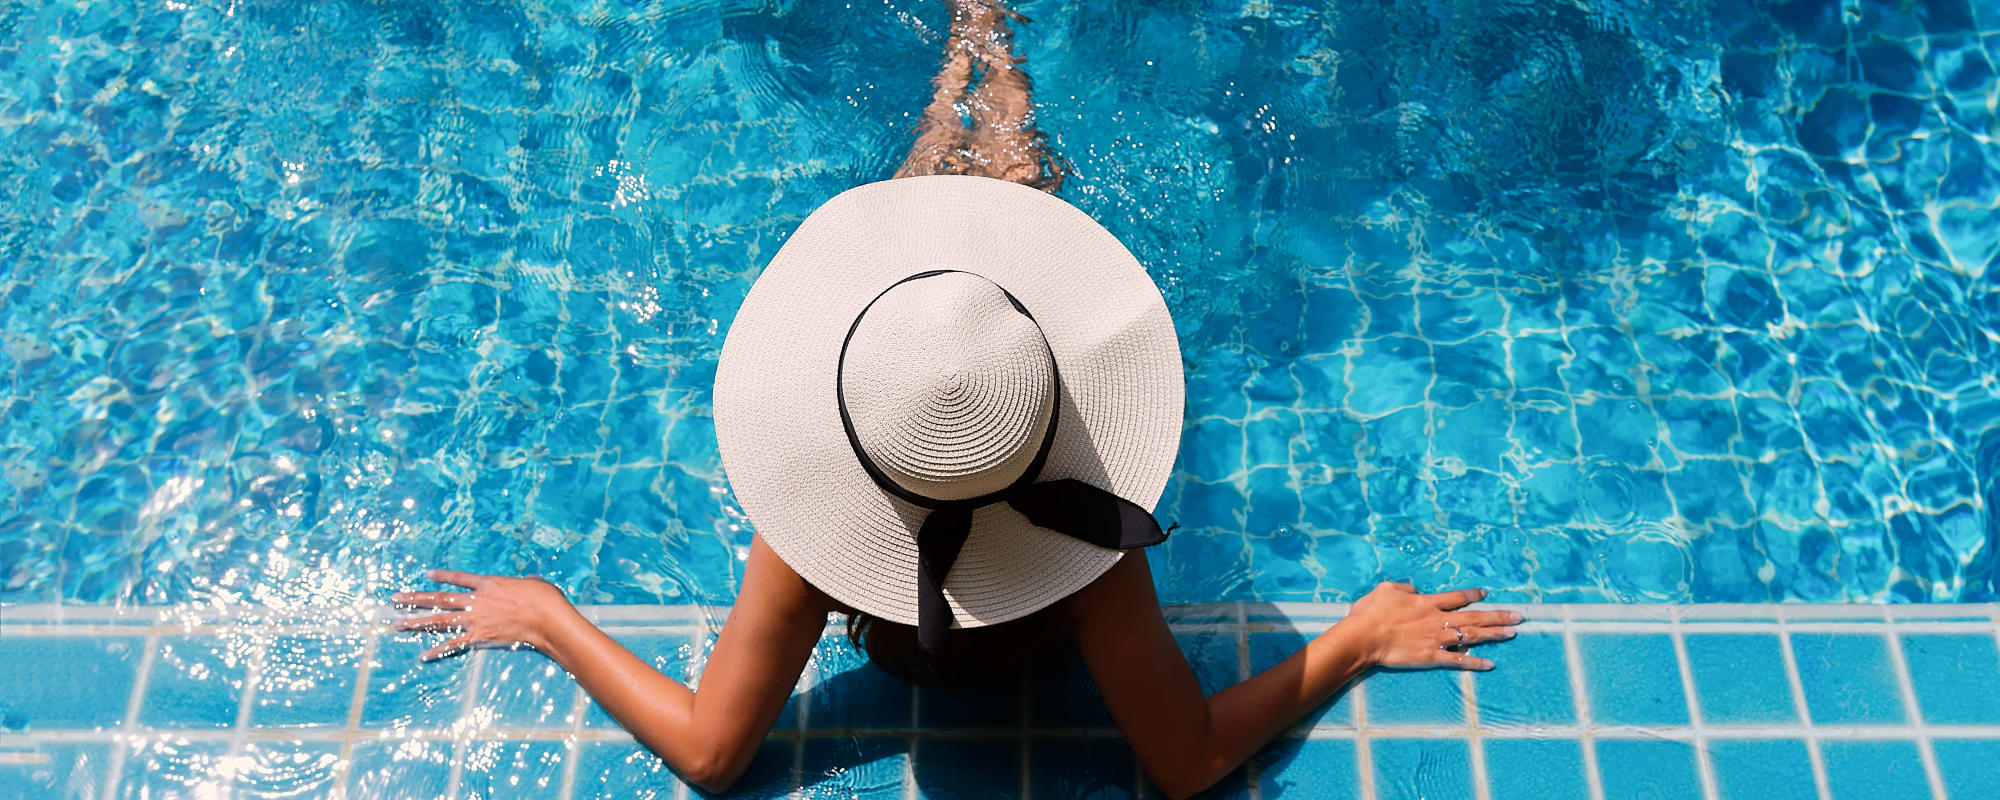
(1185, 742)
(981, 118)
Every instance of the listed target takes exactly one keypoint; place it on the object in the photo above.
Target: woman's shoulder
(768, 580)
(1122, 593)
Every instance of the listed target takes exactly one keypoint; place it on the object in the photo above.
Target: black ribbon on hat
(1067, 506)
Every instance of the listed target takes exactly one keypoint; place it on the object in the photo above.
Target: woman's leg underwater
(981, 118)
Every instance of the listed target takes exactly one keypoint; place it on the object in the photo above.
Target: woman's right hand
(1401, 628)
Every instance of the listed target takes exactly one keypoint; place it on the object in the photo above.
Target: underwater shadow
(1046, 732)
(1272, 637)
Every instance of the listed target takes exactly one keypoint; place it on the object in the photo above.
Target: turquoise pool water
(1665, 302)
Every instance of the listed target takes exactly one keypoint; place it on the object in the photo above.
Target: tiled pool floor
(1590, 701)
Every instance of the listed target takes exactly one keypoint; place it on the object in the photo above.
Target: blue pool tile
(1267, 649)
(522, 689)
(1868, 770)
(1847, 678)
(1535, 769)
(1214, 612)
(667, 652)
(860, 769)
(850, 692)
(1415, 769)
(1762, 769)
(406, 693)
(963, 769)
(1414, 697)
(1095, 768)
(68, 681)
(1233, 786)
(196, 682)
(1529, 683)
(1632, 679)
(1212, 656)
(405, 768)
(1062, 695)
(288, 769)
(770, 773)
(1967, 766)
(981, 704)
(56, 769)
(1309, 769)
(496, 769)
(307, 681)
(621, 770)
(1952, 674)
(1643, 769)
(1739, 678)
(171, 768)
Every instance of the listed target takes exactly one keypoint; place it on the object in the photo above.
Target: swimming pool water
(1667, 302)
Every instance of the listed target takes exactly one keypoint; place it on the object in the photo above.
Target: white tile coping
(1242, 619)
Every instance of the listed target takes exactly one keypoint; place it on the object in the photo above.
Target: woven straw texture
(949, 387)
(778, 422)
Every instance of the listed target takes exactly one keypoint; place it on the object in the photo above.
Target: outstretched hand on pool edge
(1407, 630)
(496, 612)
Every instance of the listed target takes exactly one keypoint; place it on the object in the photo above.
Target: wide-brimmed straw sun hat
(955, 377)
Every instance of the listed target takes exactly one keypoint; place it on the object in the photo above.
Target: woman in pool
(947, 405)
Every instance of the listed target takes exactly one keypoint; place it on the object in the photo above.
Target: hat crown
(949, 387)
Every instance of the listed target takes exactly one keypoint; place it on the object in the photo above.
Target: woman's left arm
(708, 736)
(1186, 742)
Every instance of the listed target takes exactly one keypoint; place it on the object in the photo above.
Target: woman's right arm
(708, 736)
(711, 734)
(1186, 742)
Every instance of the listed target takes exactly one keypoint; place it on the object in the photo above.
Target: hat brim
(778, 427)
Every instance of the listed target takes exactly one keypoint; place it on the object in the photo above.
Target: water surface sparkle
(1671, 302)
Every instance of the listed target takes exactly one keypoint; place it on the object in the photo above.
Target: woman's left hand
(497, 611)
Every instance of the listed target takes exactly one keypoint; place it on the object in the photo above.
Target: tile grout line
(1022, 686)
(1475, 746)
(910, 758)
(1364, 760)
(253, 673)
(697, 663)
(1703, 764)
(362, 674)
(800, 717)
(1910, 709)
(1677, 733)
(1253, 775)
(462, 729)
(1797, 684)
(574, 744)
(682, 619)
(1581, 698)
(114, 773)
(1307, 626)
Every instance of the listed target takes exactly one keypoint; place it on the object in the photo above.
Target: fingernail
(1486, 667)
(402, 624)
(398, 597)
(1507, 631)
(1513, 616)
